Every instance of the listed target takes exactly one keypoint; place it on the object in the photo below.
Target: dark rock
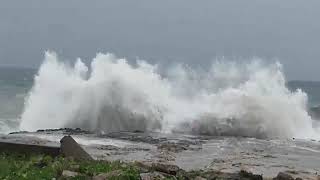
(269, 156)
(283, 176)
(292, 172)
(136, 137)
(249, 175)
(109, 147)
(70, 148)
(69, 131)
(19, 132)
(173, 147)
(236, 164)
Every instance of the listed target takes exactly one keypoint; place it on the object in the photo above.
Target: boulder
(166, 168)
(70, 148)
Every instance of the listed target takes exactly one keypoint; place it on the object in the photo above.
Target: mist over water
(230, 98)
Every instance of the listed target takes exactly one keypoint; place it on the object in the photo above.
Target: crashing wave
(240, 99)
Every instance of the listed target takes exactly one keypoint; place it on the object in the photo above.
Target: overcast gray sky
(192, 31)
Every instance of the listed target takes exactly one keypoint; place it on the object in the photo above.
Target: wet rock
(109, 148)
(106, 176)
(236, 164)
(69, 131)
(152, 176)
(135, 149)
(136, 137)
(19, 132)
(249, 175)
(269, 156)
(70, 148)
(173, 147)
(292, 172)
(283, 176)
(69, 174)
(216, 161)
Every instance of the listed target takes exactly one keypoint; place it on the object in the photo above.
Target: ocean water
(15, 83)
(252, 99)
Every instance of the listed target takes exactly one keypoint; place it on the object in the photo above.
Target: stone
(68, 174)
(166, 168)
(151, 176)
(70, 148)
(283, 176)
(106, 176)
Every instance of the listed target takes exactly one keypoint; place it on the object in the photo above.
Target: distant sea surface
(15, 84)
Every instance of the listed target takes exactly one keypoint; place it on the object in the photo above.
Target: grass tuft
(20, 166)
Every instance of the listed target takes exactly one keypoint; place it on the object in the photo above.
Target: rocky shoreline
(159, 156)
